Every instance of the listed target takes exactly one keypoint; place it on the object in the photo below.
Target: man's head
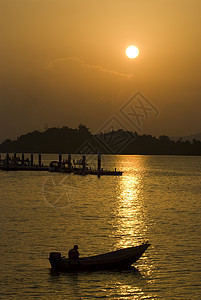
(75, 247)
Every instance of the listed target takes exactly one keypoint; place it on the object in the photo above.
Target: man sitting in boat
(73, 253)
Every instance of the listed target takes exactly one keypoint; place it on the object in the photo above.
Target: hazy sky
(63, 62)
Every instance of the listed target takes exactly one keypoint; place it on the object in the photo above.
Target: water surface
(157, 199)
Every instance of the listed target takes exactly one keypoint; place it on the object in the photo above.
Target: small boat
(120, 259)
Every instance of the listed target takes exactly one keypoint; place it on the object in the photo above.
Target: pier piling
(99, 164)
(22, 159)
(60, 159)
(31, 159)
(15, 158)
(69, 161)
(39, 159)
(84, 162)
(7, 159)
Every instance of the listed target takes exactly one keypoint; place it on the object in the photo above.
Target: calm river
(158, 198)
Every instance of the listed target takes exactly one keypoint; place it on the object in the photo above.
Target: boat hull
(120, 259)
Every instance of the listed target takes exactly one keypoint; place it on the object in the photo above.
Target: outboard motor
(55, 259)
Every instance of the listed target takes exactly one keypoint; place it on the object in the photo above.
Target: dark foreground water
(158, 198)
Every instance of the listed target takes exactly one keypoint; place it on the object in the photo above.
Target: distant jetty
(79, 167)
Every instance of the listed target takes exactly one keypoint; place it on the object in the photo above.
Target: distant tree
(83, 128)
(164, 138)
(69, 140)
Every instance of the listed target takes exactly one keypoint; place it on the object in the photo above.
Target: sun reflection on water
(129, 220)
(127, 291)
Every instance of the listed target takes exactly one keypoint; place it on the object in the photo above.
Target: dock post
(99, 164)
(31, 159)
(15, 158)
(69, 161)
(23, 159)
(7, 159)
(39, 159)
(83, 162)
(60, 159)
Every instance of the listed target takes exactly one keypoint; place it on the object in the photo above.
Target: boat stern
(55, 260)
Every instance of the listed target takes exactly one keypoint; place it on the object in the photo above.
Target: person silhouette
(73, 253)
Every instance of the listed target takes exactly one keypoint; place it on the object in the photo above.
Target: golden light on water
(130, 212)
(132, 52)
(130, 224)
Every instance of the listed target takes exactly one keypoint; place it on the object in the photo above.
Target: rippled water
(158, 198)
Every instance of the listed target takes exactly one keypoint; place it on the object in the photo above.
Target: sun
(132, 52)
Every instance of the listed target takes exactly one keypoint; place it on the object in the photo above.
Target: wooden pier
(80, 167)
(17, 163)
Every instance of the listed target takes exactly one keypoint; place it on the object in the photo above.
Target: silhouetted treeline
(81, 140)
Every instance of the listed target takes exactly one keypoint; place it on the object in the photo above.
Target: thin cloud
(52, 66)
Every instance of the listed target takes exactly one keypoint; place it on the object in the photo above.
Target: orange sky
(63, 63)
